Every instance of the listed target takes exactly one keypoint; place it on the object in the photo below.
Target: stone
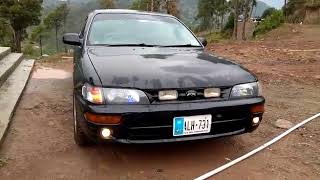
(283, 124)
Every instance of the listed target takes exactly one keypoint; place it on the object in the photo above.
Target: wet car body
(187, 70)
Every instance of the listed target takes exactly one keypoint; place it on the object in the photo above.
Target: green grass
(212, 37)
(3, 161)
(215, 37)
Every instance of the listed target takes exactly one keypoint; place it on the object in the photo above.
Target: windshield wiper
(181, 45)
(130, 45)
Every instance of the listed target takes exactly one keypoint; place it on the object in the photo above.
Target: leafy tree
(20, 14)
(107, 4)
(56, 19)
(211, 13)
(268, 12)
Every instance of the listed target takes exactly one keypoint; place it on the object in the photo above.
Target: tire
(80, 137)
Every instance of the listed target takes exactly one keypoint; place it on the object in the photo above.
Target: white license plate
(190, 125)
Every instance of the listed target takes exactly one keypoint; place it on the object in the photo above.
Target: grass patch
(3, 161)
(213, 37)
(55, 57)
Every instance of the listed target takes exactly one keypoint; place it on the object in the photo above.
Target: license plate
(190, 125)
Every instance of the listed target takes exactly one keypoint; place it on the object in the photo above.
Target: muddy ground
(39, 143)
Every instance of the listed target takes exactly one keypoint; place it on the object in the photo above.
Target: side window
(83, 29)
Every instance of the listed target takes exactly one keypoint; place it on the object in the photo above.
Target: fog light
(168, 95)
(212, 92)
(256, 120)
(105, 133)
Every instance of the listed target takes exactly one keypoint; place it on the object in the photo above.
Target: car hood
(164, 68)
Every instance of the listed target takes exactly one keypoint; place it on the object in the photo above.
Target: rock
(159, 170)
(283, 124)
(317, 77)
(51, 123)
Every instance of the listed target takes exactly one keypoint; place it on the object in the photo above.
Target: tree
(247, 6)
(6, 34)
(268, 12)
(172, 7)
(56, 19)
(147, 5)
(107, 4)
(20, 14)
(211, 13)
(235, 4)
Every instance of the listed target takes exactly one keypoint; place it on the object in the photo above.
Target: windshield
(136, 29)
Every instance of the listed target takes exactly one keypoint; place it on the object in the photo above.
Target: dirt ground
(39, 143)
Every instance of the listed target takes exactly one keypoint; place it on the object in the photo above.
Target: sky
(274, 3)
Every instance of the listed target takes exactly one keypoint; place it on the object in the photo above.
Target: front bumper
(154, 123)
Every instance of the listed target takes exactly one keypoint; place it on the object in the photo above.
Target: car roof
(127, 11)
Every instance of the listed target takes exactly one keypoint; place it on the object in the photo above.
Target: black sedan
(145, 78)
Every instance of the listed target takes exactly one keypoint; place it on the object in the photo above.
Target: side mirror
(71, 39)
(203, 41)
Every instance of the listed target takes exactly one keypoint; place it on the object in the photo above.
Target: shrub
(29, 50)
(271, 22)
(228, 28)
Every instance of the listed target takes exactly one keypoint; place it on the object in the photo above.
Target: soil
(39, 143)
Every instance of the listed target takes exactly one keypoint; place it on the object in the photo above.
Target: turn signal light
(257, 108)
(103, 119)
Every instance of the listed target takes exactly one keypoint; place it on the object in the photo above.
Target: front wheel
(80, 137)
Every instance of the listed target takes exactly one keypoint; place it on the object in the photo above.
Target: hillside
(79, 9)
(259, 9)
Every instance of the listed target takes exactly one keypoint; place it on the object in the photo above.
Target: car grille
(152, 126)
(182, 95)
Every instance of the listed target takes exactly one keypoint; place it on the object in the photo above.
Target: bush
(270, 23)
(29, 50)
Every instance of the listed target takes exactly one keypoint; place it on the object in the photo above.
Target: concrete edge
(4, 53)
(3, 133)
(10, 70)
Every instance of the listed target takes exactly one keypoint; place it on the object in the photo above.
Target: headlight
(125, 96)
(98, 95)
(246, 90)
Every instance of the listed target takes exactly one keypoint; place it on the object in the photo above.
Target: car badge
(191, 93)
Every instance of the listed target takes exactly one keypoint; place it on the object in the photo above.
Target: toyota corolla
(144, 77)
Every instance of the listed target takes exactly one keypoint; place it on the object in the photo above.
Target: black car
(144, 77)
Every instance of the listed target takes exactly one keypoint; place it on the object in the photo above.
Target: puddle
(50, 73)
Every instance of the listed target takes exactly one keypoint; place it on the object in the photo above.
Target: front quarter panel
(83, 71)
